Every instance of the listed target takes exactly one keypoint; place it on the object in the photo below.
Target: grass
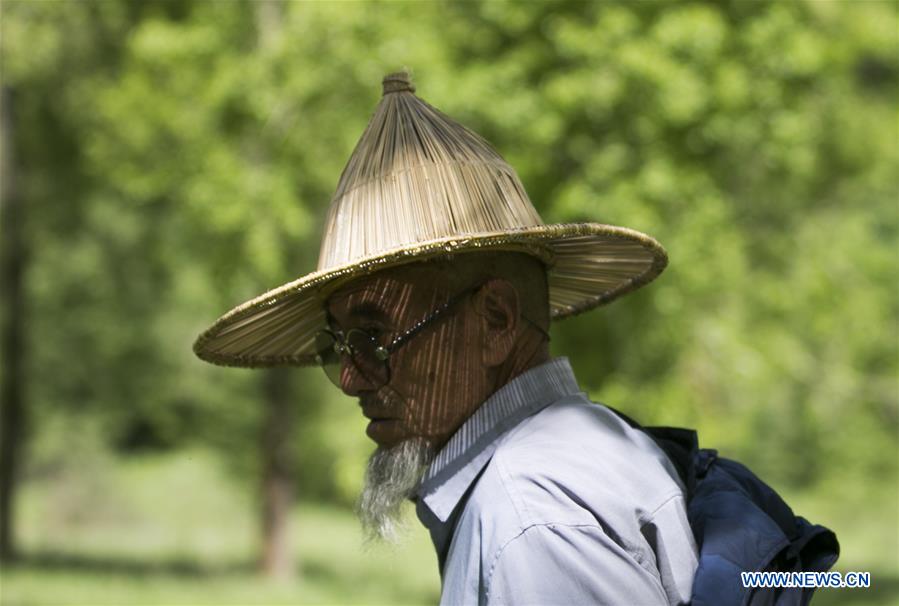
(173, 530)
(170, 530)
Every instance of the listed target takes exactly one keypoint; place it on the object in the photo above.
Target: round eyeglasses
(367, 355)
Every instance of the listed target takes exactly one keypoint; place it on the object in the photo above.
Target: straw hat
(420, 185)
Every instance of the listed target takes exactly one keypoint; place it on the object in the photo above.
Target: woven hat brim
(590, 264)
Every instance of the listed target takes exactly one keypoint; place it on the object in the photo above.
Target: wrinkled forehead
(387, 296)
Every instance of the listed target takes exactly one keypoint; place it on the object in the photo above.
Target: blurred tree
(110, 271)
(276, 435)
(12, 261)
(40, 167)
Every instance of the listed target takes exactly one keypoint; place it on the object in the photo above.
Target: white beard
(393, 475)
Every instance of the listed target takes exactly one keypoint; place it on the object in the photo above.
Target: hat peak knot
(398, 82)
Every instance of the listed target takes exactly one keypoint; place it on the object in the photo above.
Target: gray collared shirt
(543, 497)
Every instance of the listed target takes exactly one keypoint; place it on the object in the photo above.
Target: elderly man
(537, 494)
(431, 304)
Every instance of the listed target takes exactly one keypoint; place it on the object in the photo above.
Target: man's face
(437, 379)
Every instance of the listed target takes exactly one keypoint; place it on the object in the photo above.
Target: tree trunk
(277, 557)
(12, 345)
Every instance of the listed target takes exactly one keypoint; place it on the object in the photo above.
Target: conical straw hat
(420, 185)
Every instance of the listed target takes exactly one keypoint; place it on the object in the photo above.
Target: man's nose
(352, 381)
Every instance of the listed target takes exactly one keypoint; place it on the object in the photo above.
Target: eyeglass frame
(382, 352)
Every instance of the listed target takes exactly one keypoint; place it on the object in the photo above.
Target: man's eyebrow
(368, 309)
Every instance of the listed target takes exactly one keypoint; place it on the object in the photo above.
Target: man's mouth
(382, 424)
(383, 431)
(377, 415)
(381, 420)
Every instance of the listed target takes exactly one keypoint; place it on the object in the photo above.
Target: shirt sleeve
(669, 535)
(551, 564)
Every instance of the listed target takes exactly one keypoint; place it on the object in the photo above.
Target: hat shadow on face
(437, 378)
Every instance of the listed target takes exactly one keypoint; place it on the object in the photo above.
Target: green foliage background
(176, 158)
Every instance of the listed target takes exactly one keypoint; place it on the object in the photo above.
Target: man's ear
(497, 306)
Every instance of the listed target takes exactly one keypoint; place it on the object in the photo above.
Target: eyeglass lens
(361, 355)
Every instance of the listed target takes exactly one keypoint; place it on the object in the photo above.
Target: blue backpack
(740, 525)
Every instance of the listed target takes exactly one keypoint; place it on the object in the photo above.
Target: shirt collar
(469, 449)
